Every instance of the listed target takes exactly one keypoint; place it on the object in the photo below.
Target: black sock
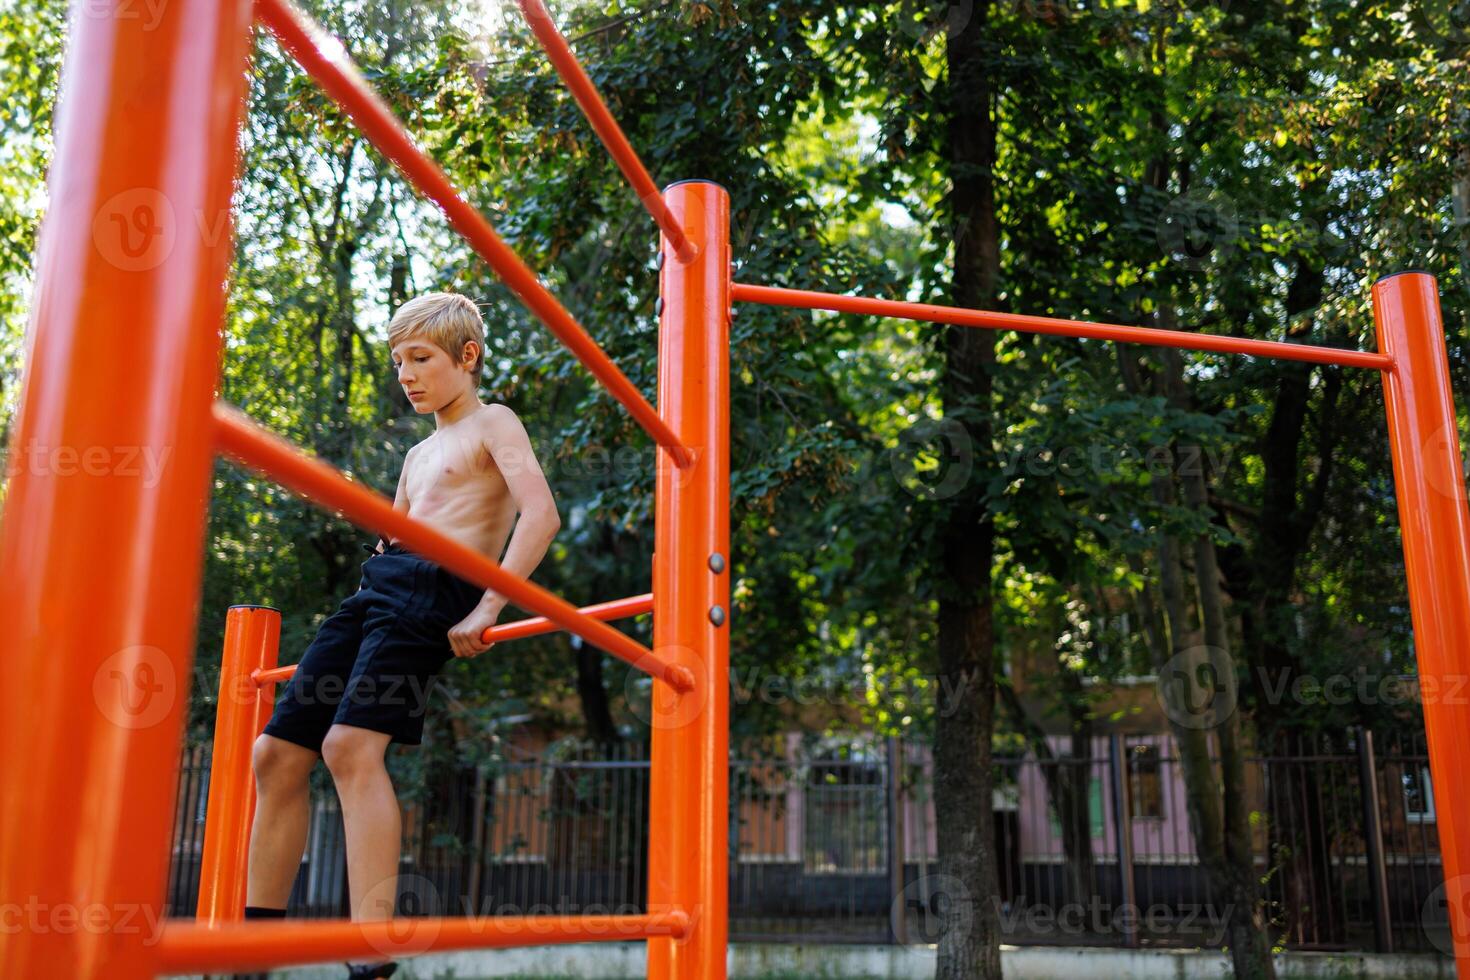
(256, 912)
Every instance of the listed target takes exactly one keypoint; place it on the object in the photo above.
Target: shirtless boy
(364, 680)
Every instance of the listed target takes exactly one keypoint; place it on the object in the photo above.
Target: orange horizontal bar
(324, 58)
(809, 300)
(190, 948)
(321, 483)
(607, 128)
(615, 609)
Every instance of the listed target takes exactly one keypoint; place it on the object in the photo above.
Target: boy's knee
(280, 765)
(350, 752)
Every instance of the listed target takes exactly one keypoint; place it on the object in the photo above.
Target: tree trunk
(969, 946)
(592, 692)
(591, 688)
(1250, 946)
(1218, 812)
(1266, 581)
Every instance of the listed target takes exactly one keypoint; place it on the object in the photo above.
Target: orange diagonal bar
(607, 128)
(325, 59)
(809, 300)
(238, 436)
(191, 948)
(536, 625)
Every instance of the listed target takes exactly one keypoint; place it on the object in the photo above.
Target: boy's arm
(503, 436)
(536, 527)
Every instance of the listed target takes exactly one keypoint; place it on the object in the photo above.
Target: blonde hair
(447, 319)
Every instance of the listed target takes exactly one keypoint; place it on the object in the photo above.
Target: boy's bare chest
(446, 468)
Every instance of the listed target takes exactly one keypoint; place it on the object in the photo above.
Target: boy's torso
(454, 484)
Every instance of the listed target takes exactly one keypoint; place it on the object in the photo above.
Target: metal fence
(835, 841)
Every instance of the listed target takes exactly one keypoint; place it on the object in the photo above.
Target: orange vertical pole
(689, 792)
(252, 642)
(1430, 481)
(101, 547)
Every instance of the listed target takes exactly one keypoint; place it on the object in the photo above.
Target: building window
(1145, 782)
(1418, 795)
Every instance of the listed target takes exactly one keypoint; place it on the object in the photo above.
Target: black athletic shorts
(373, 662)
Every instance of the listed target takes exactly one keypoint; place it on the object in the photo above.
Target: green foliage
(1241, 168)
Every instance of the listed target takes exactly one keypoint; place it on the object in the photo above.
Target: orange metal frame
(101, 556)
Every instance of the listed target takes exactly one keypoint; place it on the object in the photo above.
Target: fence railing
(836, 842)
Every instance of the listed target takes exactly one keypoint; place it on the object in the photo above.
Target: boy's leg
(370, 818)
(404, 645)
(282, 812)
(285, 754)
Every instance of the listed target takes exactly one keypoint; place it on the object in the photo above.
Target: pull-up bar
(521, 628)
(323, 57)
(809, 300)
(608, 130)
(194, 948)
(321, 483)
